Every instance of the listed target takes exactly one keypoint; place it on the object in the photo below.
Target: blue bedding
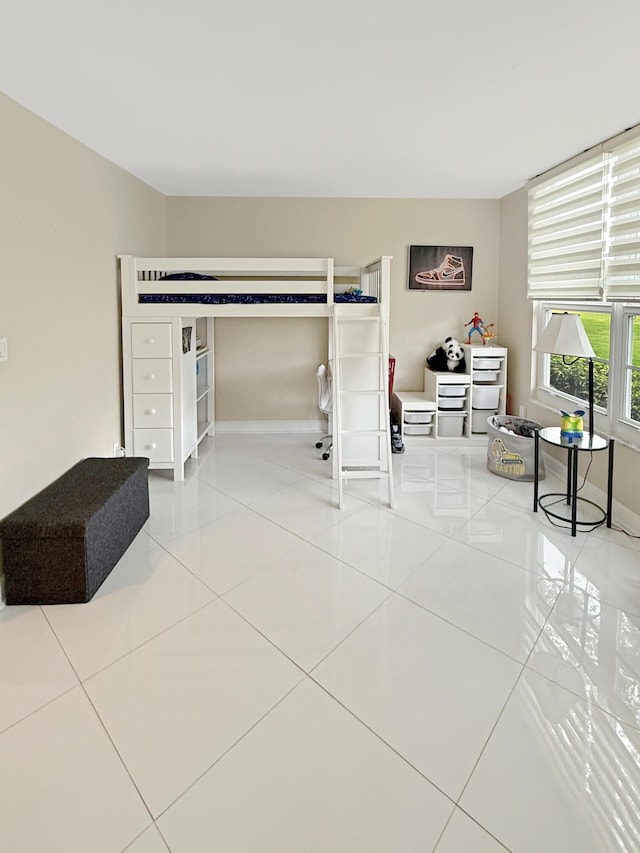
(252, 298)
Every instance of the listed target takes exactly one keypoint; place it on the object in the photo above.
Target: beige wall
(515, 322)
(266, 369)
(65, 213)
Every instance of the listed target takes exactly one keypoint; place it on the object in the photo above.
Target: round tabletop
(588, 441)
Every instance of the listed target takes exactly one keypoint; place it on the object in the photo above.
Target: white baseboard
(239, 427)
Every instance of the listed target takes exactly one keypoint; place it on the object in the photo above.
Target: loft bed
(248, 287)
(166, 301)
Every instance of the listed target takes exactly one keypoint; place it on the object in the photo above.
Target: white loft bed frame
(282, 276)
(249, 275)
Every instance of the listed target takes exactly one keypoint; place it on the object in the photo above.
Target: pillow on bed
(188, 276)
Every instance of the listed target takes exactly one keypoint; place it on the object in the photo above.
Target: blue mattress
(251, 298)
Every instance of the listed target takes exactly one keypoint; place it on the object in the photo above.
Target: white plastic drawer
(450, 424)
(152, 410)
(156, 444)
(151, 340)
(452, 390)
(416, 429)
(151, 375)
(491, 363)
(485, 375)
(418, 417)
(486, 396)
(451, 402)
(479, 419)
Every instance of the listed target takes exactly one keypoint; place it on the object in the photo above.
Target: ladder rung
(377, 392)
(376, 353)
(364, 474)
(364, 432)
(374, 318)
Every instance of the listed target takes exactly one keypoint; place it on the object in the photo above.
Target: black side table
(573, 446)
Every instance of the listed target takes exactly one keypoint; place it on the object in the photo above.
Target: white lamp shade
(564, 334)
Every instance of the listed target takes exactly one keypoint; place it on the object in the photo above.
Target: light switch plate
(4, 350)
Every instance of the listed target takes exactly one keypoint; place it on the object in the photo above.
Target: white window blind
(622, 256)
(566, 233)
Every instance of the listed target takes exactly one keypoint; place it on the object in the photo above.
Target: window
(584, 228)
(614, 332)
(584, 257)
(631, 387)
(566, 234)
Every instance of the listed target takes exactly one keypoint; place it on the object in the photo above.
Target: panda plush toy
(449, 356)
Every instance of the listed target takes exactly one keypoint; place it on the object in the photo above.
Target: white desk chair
(325, 404)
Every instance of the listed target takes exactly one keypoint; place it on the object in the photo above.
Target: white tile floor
(264, 673)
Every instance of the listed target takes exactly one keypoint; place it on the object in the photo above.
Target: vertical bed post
(385, 284)
(330, 281)
(128, 277)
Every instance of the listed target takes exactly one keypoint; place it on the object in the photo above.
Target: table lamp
(565, 335)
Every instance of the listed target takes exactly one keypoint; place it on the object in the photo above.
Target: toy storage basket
(511, 448)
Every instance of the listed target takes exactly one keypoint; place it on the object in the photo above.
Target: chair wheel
(325, 456)
(318, 444)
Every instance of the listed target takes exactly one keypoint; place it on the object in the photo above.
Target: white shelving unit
(205, 398)
(415, 412)
(168, 388)
(455, 405)
(451, 393)
(487, 366)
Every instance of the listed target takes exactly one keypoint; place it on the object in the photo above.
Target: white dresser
(168, 390)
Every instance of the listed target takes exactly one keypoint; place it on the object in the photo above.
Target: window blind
(566, 234)
(622, 254)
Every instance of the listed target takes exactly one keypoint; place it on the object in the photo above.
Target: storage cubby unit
(168, 388)
(455, 405)
(415, 412)
(205, 401)
(450, 393)
(487, 367)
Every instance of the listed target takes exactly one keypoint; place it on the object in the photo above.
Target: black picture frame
(440, 268)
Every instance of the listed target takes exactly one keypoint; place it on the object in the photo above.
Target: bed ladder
(361, 428)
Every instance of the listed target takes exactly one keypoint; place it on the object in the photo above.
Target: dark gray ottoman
(59, 546)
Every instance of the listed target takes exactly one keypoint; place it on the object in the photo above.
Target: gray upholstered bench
(59, 546)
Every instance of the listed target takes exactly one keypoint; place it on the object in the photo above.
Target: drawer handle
(150, 376)
(150, 412)
(151, 446)
(150, 341)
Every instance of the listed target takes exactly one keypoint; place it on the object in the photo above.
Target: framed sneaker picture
(440, 267)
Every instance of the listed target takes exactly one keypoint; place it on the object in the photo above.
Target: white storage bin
(418, 417)
(479, 419)
(450, 424)
(484, 375)
(451, 390)
(487, 363)
(416, 429)
(486, 396)
(450, 402)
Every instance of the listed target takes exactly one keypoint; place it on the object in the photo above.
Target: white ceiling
(404, 99)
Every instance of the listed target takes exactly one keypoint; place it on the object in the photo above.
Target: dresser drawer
(157, 444)
(151, 375)
(151, 340)
(152, 410)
